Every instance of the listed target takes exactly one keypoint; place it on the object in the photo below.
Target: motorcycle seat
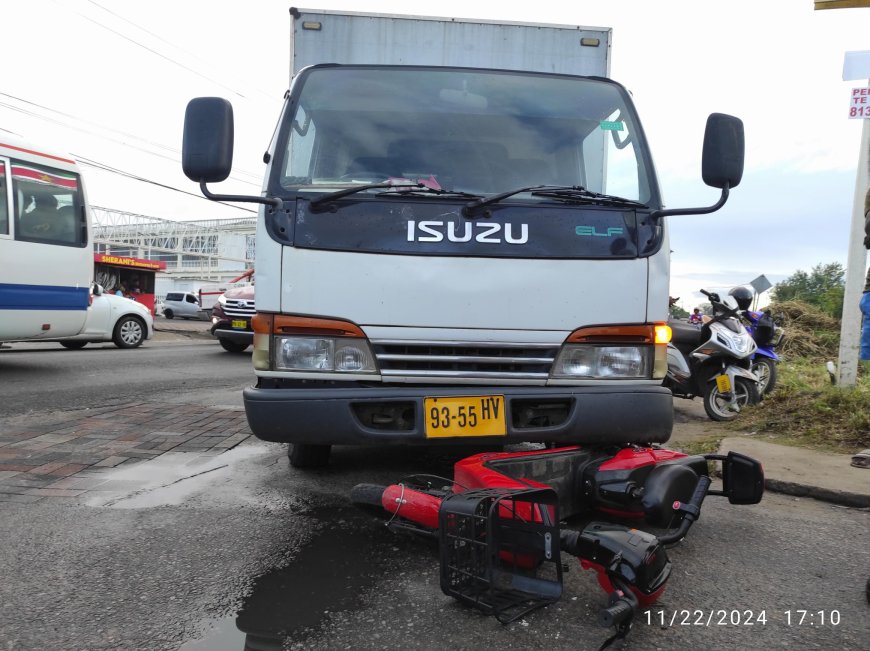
(685, 334)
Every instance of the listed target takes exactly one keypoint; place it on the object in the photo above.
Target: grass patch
(806, 410)
(704, 445)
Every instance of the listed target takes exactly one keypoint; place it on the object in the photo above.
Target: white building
(196, 253)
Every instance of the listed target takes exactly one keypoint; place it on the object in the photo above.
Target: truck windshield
(478, 131)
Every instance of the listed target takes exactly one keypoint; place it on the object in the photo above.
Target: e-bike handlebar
(691, 511)
(621, 611)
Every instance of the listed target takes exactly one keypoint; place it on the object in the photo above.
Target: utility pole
(856, 66)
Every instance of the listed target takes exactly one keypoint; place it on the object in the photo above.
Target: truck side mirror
(724, 147)
(721, 163)
(207, 148)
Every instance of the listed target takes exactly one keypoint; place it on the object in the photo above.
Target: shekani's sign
(136, 263)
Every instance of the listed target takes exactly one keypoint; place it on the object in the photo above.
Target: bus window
(4, 200)
(48, 205)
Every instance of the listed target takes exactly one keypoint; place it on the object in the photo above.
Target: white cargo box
(319, 36)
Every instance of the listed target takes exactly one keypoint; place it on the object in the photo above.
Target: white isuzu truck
(461, 238)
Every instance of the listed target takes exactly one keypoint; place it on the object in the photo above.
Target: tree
(823, 287)
(678, 313)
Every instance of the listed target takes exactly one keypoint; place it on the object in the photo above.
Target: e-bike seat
(686, 335)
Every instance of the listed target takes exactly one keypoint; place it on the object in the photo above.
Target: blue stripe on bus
(42, 297)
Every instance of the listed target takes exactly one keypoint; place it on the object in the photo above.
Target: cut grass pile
(805, 409)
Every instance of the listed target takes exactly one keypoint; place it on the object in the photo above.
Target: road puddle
(331, 573)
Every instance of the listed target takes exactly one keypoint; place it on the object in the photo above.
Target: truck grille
(443, 359)
(239, 307)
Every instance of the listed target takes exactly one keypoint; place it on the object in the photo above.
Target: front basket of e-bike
(500, 550)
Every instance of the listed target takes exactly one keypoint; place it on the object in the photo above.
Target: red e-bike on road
(497, 521)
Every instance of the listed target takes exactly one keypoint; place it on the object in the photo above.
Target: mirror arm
(269, 201)
(694, 211)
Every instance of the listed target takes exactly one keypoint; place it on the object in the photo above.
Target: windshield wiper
(564, 192)
(318, 203)
(427, 190)
(469, 210)
(579, 193)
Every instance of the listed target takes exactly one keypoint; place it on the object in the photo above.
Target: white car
(112, 318)
(184, 305)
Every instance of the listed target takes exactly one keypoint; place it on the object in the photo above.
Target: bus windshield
(462, 130)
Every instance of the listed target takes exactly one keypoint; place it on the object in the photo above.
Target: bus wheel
(129, 332)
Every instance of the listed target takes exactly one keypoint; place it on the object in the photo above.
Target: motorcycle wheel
(717, 406)
(765, 369)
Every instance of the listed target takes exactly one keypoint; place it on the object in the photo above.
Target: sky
(108, 81)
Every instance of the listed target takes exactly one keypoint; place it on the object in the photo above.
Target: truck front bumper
(338, 415)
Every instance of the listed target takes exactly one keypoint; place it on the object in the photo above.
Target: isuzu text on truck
(461, 238)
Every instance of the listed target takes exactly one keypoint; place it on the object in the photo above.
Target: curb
(842, 498)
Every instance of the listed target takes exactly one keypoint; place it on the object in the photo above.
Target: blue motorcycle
(766, 333)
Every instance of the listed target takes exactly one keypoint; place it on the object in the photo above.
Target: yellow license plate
(723, 382)
(465, 416)
(240, 324)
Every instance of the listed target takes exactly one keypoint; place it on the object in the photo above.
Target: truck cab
(453, 254)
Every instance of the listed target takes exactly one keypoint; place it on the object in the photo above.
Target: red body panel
(412, 505)
(471, 472)
(632, 458)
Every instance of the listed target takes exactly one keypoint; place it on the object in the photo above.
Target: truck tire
(74, 345)
(167, 314)
(308, 456)
(233, 346)
(129, 332)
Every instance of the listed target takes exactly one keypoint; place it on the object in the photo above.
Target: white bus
(46, 254)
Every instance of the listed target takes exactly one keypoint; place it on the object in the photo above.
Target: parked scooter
(714, 361)
(767, 335)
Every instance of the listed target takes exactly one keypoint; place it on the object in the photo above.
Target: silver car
(184, 305)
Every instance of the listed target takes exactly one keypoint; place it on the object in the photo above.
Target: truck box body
(343, 37)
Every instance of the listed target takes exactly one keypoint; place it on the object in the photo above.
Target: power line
(173, 45)
(176, 159)
(153, 51)
(114, 170)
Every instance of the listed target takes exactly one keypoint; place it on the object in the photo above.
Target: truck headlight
(331, 354)
(595, 361)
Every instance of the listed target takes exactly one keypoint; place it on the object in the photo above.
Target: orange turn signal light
(622, 334)
(663, 333)
(285, 324)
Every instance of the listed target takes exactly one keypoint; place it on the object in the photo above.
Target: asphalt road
(254, 551)
(44, 377)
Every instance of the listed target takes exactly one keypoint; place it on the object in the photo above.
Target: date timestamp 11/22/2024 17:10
(741, 617)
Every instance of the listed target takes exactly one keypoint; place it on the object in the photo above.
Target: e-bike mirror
(742, 479)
